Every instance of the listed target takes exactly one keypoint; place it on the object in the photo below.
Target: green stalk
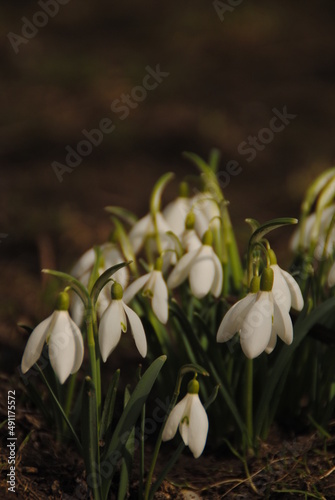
(249, 401)
(93, 360)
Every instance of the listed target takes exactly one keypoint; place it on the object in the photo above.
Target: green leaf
(155, 200)
(72, 282)
(115, 449)
(90, 440)
(104, 279)
(265, 228)
(95, 271)
(128, 455)
(253, 223)
(123, 214)
(301, 329)
(108, 410)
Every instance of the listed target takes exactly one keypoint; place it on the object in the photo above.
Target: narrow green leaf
(157, 191)
(90, 440)
(108, 410)
(104, 279)
(95, 271)
(301, 329)
(114, 451)
(123, 214)
(128, 455)
(72, 282)
(270, 225)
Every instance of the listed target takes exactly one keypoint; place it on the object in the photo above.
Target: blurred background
(221, 71)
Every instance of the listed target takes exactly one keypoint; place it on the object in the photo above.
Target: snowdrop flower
(175, 213)
(314, 232)
(154, 286)
(191, 418)
(64, 339)
(207, 212)
(285, 289)
(258, 318)
(202, 267)
(145, 227)
(114, 321)
(331, 276)
(82, 270)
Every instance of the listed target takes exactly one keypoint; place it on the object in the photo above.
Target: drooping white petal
(282, 324)
(35, 344)
(130, 292)
(62, 346)
(297, 301)
(85, 262)
(202, 272)
(109, 329)
(160, 298)
(137, 330)
(257, 326)
(206, 211)
(272, 343)
(77, 309)
(175, 214)
(182, 269)
(198, 427)
(139, 231)
(233, 319)
(174, 419)
(79, 347)
(331, 276)
(281, 291)
(216, 287)
(190, 240)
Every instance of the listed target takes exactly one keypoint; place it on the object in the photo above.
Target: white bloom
(154, 286)
(190, 240)
(331, 276)
(114, 321)
(191, 418)
(258, 318)
(286, 290)
(312, 234)
(203, 268)
(144, 228)
(206, 212)
(175, 214)
(82, 270)
(65, 343)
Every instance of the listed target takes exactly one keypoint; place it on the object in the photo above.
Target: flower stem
(94, 360)
(249, 401)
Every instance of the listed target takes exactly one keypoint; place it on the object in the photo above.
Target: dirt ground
(224, 81)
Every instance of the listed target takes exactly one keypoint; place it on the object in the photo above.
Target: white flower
(154, 286)
(175, 214)
(258, 318)
(315, 232)
(114, 321)
(144, 228)
(203, 268)
(286, 290)
(65, 343)
(331, 276)
(82, 270)
(191, 418)
(190, 240)
(206, 212)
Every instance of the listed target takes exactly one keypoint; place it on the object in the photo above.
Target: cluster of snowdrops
(177, 270)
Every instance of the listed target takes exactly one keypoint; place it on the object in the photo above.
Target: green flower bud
(267, 280)
(183, 190)
(272, 255)
(159, 264)
(207, 238)
(116, 291)
(63, 302)
(255, 284)
(190, 220)
(193, 387)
